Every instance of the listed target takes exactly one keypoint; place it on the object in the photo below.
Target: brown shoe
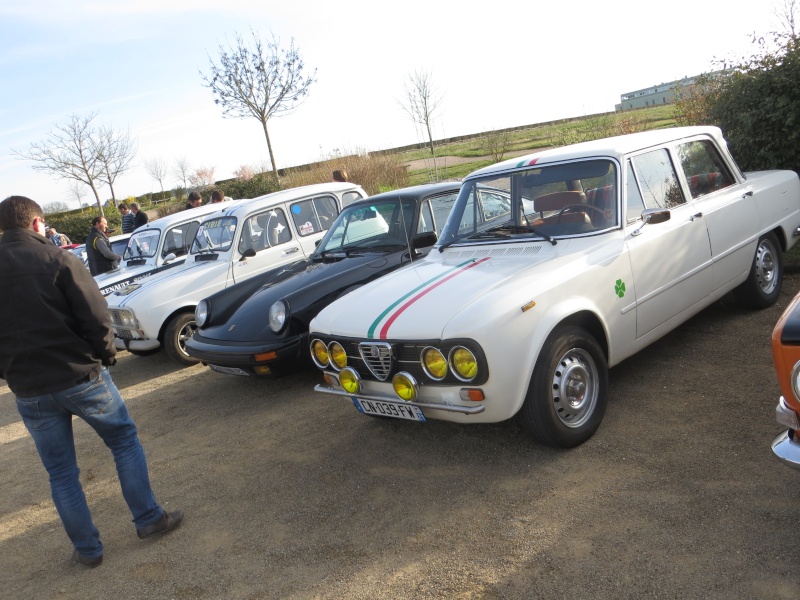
(86, 561)
(167, 522)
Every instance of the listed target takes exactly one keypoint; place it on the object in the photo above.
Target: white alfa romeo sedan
(552, 268)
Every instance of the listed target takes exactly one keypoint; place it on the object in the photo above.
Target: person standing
(195, 200)
(127, 218)
(140, 217)
(98, 249)
(340, 175)
(56, 344)
(217, 196)
(59, 239)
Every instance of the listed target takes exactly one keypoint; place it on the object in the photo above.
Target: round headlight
(796, 380)
(434, 363)
(350, 381)
(405, 386)
(338, 358)
(201, 313)
(319, 352)
(277, 316)
(463, 362)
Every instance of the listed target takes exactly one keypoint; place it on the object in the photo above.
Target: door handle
(291, 250)
(696, 216)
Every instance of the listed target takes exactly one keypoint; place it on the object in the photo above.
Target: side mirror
(654, 216)
(170, 257)
(424, 240)
(249, 253)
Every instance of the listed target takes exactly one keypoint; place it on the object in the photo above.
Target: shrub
(375, 172)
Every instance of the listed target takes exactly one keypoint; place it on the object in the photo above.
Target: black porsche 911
(260, 327)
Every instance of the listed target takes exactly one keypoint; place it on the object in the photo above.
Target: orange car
(786, 353)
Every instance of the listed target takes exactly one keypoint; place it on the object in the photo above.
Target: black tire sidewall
(171, 344)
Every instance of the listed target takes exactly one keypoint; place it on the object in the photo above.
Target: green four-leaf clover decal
(619, 288)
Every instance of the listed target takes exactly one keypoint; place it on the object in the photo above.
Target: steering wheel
(580, 208)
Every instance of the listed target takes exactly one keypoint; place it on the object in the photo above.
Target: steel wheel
(763, 284)
(765, 266)
(575, 388)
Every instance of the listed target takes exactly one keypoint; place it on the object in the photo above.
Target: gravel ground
(292, 494)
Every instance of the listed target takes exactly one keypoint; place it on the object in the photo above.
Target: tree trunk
(97, 197)
(433, 152)
(269, 148)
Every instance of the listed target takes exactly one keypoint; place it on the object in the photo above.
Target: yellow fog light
(338, 358)
(434, 363)
(405, 386)
(350, 381)
(262, 370)
(463, 363)
(319, 352)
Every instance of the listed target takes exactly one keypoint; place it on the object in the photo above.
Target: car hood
(185, 270)
(418, 301)
(306, 287)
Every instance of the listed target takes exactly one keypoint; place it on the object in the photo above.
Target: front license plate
(389, 409)
(229, 370)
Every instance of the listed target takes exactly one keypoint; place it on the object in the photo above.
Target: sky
(138, 65)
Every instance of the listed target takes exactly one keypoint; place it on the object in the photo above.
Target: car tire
(763, 284)
(180, 329)
(571, 362)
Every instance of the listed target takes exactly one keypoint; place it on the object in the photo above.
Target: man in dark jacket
(98, 249)
(56, 343)
(140, 217)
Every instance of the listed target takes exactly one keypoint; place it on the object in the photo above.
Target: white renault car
(552, 268)
(231, 245)
(158, 245)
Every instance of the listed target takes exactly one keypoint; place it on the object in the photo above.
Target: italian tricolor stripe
(402, 303)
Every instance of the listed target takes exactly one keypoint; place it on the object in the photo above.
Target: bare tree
(69, 152)
(55, 206)
(787, 13)
(77, 192)
(157, 169)
(421, 101)
(181, 170)
(258, 79)
(115, 153)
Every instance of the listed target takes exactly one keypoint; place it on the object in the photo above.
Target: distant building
(663, 93)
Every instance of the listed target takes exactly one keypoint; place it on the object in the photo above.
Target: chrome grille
(378, 358)
(124, 334)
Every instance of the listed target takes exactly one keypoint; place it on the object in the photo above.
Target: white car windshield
(561, 200)
(143, 244)
(214, 235)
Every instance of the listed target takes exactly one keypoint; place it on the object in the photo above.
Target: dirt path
(291, 494)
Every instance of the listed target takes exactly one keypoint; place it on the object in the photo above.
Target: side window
(658, 182)
(635, 203)
(425, 223)
(314, 215)
(440, 207)
(265, 230)
(349, 197)
(704, 168)
(177, 239)
(495, 205)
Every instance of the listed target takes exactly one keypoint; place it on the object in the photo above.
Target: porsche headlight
(201, 313)
(337, 355)
(434, 363)
(319, 352)
(464, 364)
(277, 316)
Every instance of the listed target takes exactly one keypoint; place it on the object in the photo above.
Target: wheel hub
(575, 387)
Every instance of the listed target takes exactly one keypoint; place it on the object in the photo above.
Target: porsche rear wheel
(567, 394)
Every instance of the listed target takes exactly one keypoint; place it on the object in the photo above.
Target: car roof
(616, 147)
(296, 193)
(182, 215)
(413, 192)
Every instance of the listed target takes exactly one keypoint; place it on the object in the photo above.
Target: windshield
(560, 200)
(377, 225)
(214, 235)
(143, 244)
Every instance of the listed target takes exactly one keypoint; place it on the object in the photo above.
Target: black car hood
(308, 290)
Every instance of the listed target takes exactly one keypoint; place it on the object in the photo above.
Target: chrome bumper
(787, 449)
(141, 345)
(467, 410)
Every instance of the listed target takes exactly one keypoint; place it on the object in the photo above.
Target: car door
(312, 217)
(728, 208)
(271, 236)
(670, 261)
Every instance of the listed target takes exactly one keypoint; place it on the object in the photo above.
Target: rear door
(311, 218)
(270, 234)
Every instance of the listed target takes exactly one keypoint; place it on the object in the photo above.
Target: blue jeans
(49, 420)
